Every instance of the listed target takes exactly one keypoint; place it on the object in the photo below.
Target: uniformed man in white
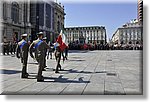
(39, 45)
(22, 52)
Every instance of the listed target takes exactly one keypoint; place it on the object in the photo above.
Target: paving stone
(34, 88)
(53, 89)
(98, 78)
(133, 91)
(131, 84)
(113, 79)
(77, 86)
(16, 87)
(94, 89)
(113, 88)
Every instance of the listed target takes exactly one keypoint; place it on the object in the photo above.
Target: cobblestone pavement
(85, 72)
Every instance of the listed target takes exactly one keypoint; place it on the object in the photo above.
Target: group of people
(38, 51)
(8, 47)
(107, 46)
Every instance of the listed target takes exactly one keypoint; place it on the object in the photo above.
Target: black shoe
(45, 66)
(61, 69)
(25, 75)
(56, 71)
(40, 79)
(43, 69)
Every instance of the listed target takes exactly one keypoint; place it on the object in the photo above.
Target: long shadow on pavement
(85, 72)
(60, 79)
(4, 71)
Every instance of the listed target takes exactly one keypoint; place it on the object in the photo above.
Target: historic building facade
(30, 17)
(130, 33)
(42, 18)
(59, 16)
(15, 19)
(91, 34)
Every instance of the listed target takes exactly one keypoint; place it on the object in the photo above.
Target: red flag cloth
(85, 46)
(59, 39)
(62, 44)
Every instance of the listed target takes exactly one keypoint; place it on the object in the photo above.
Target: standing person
(14, 47)
(50, 51)
(45, 50)
(11, 47)
(39, 46)
(5, 46)
(22, 52)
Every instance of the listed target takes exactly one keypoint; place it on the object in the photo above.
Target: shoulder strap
(24, 42)
(37, 44)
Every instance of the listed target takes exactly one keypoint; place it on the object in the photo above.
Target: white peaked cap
(24, 35)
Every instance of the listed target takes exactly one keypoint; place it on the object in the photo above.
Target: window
(48, 15)
(15, 12)
(40, 13)
(58, 26)
(4, 11)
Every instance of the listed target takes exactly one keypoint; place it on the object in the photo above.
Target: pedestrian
(22, 52)
(39, 47)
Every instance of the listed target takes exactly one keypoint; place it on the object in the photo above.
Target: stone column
(52, 18)
(136, 36)
(8, 8)
(28, 17)
(28, 11)
(21, 12)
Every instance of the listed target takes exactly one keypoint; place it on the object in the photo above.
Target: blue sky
(110, 15)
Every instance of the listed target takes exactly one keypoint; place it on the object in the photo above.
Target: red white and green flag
(61, 41)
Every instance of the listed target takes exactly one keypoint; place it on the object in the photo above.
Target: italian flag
(61, 41)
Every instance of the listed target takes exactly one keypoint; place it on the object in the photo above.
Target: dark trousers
(49, 52)
(40, 67)
(24, 66)
(45, 61)
(5, 49)
(58, 58)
